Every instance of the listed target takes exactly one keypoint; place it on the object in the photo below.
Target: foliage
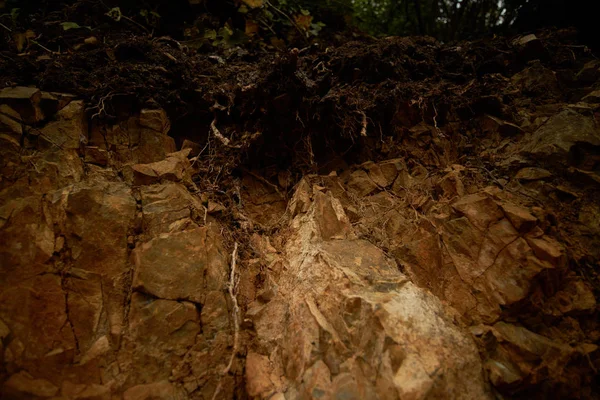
(283, 23)
(443, 19)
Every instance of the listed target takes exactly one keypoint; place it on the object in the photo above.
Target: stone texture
(142, 138)
(258, 376)
(530, 47)
(71, 327)
(532, 174)
(96, 155)
(160, 333)
(68, 129)
(162, 390)
(493, 125)
(480, 209)
(543, 356)
(181, 266)
(110, 290)
(175, 167)
(167, 208)
(519, 217)
(590, 72)
(536, 80)
(553, 141)
(85, 392)
(23, 386)
(362, 330)
(25, 100)
(593, 97)
(11, 123)
(384, 174)
(360, 183)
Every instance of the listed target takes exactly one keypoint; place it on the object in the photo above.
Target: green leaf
(144, 13)
(210, 34)
(14, 13)
(243, 9)
(115, 13)
(70, 25)
(305, 12)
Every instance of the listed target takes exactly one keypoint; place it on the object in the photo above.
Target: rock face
(454, 257)
(92, 304)
(354, 326)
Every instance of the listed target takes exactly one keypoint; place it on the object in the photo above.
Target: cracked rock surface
(457, 261)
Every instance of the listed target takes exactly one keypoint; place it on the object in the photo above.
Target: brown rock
(536, 81)
(85, 303)
(340, 298)
(169, 144)
(494, 268)
(547, 249)
(53, 102)
(593, 97)
(98, 349)
(140, 139)
(360, 183)
(519, 217)
(162, 390)
(193, 146)
(575, 296)
(25, 100)
(175, 167)
(38, 318)
(553, 141)
(451, 186)
(68, 129)
(4, 331)
(214, 207)
(156, 120)
(331, 218)
(96, 155)
(493, 125)
(517, 353)
(191, 256)
(23, 386)
(479, 209)
(85, 392)
(144, 174)
(532, 174)
(10, 122)
(160, 332)
(95, 222)
(258, 375)
(590, 72)
(167, 208)
(316, 382)
(530, 47)
(383, 174)
(26, 240)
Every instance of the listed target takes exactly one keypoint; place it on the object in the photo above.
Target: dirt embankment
(413, 219)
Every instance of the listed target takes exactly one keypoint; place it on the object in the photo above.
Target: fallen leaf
(252, 28)
(70, 25)
(22, 39)
(303, 21)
